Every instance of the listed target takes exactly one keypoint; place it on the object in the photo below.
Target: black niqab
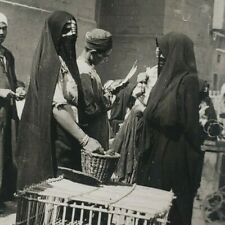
(64, 46)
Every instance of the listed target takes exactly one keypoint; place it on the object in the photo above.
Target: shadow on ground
(8, 217)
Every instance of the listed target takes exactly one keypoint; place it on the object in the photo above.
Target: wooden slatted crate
(61, 201)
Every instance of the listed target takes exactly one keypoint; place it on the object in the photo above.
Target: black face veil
(65, 46)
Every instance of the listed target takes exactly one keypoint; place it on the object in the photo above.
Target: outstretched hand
(4, 93)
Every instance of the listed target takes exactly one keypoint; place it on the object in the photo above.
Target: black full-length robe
(36, 157)
(171, 144)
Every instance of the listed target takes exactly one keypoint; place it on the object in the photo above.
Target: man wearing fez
(98, 47)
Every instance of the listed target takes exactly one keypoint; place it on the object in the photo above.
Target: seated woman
(50, 134)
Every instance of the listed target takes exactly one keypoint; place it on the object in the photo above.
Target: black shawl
(180, 61)
(123, 101)
(35, 150)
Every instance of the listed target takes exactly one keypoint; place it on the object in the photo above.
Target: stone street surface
(8, 218)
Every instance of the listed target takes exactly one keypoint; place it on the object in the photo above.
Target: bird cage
(61, 201)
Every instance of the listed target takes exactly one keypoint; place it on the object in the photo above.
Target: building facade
(134, 24)
(218, 37)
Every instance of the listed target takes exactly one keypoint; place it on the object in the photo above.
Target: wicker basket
(99, 166)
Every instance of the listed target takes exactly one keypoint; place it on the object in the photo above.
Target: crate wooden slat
(121, 203)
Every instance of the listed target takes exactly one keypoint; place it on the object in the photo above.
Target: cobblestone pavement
(198, 218)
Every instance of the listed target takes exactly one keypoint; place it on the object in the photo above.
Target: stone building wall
(25, 26)
(194, 18)
(135, 24)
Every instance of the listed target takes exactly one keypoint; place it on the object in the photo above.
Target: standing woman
(49, 130)
(171, 153)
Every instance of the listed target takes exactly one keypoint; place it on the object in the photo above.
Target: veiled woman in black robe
(171, 145)
(49, 130)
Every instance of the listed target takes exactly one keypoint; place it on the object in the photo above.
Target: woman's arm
(63, 116)
(65, 119)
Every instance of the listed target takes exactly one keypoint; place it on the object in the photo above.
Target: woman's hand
(93, 146)
(4, 93)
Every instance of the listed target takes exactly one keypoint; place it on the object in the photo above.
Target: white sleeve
(58, 98)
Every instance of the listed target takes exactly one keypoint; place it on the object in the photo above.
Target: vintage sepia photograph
(112, 112)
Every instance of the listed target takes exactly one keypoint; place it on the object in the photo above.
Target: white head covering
(3, 19)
